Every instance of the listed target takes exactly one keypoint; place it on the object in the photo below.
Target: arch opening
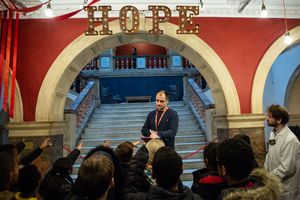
(52, 95)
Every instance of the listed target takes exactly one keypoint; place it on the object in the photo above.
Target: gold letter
(186, 25)
(104, 20)
(135, 19)
(156, 19)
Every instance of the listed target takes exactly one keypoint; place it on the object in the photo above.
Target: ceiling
(212, 8)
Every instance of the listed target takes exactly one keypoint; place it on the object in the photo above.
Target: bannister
(84, 106)
(140, 62)
(197, 101)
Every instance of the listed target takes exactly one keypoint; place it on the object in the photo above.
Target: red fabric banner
(68, 15)
(7, 59)
(30, 9)
(2, 52)
(14, 68)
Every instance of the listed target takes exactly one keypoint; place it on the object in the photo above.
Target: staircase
(123, 122)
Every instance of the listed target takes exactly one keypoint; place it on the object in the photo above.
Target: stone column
(33, 134)
(250, 124)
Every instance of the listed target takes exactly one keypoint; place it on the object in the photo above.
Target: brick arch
(52, 95)
(265, 66)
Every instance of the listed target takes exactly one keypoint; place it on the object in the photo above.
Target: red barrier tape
(69, 150)
(197, 151)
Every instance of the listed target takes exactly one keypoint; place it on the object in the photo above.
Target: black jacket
(138, 188)
(55, 186)
(167, 128)
(207, 184)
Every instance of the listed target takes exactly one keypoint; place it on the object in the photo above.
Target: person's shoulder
(290, 136)
(152, 112)
(172, 110)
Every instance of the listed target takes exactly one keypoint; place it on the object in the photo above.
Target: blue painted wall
(278, 78)
(142, 86)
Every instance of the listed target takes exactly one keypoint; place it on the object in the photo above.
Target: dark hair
(29, 177)
(62, 167)
(94, 176)
(124, 151)
(164, 92)
(118, 178)
(8, 163)
(167, 167)
(243, 137)
(210, 153)
(237, 157)
(279, 113)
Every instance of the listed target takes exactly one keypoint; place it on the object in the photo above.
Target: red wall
(240, 43)
(142, 49)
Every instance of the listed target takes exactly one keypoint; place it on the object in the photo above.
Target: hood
(269, 190)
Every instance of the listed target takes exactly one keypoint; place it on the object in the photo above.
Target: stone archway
(264, 67)
(292, 94)
(18, 107)
(52, 95)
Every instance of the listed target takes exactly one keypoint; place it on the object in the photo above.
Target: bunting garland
(2, 55)
(7, 61)
(68, 15)
(30, 9)
(14, 68)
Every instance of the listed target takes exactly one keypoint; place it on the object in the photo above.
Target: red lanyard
(157, 123)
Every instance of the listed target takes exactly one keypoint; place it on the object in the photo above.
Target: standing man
(162, 122)
(283, 155)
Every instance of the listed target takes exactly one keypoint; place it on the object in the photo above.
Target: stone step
(136, 109)
(193, 163)
(182, 119)
(137, 122)
(142, 104)
(133, 115)
(135, 126)
(129, 129)
(187, 183)
(112, 134)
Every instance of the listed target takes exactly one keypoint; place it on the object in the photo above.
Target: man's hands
(136, 143)
(79, 146)
(106, 143)
(45, 144)
(154, 134)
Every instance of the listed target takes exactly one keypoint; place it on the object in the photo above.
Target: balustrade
(132, 62)
(197, 100)
(83, 106)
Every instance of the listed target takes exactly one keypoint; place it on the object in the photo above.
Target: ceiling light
(264, 11)
(48, 11)
(287, 38)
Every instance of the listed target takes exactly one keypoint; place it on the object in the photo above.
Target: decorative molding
(240, 121)
(251, 11)
(30, 129)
